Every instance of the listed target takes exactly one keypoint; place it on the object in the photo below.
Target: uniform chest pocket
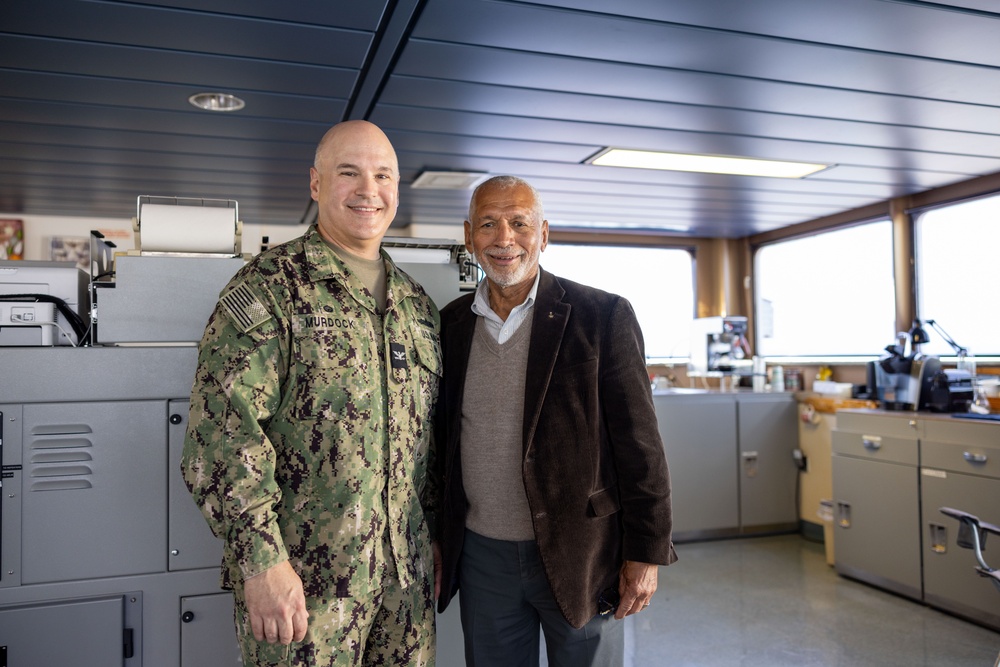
(425, 372)
(329, 378)
(329, 347)
(428, 353)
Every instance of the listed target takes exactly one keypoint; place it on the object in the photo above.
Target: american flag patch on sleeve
(244, 308)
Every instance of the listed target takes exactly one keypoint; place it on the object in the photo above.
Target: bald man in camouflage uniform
(309, 439)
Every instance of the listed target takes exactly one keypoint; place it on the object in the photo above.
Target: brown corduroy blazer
(593, 464)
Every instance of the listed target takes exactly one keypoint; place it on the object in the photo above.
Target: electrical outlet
(800, 459)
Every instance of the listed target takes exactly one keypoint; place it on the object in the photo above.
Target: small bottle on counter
(777, 379)
(759, 374)
(793, 380)
(966, 361)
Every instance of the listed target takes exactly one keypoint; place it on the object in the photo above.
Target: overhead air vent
(448, 180)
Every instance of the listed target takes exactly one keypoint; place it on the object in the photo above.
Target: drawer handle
(939, 538)
(843, 515)
(872, 442)
(974, 458)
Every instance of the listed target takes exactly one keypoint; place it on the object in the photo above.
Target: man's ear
(314, 183)
(468, 236)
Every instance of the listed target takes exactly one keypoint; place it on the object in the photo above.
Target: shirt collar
(481, 304)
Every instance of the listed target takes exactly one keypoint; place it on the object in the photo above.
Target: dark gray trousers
(505, 597)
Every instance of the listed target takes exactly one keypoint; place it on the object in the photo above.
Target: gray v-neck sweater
(492, 447)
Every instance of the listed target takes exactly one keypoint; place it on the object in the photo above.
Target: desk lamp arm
(959, 350)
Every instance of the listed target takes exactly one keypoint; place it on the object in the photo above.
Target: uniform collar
(322, 264)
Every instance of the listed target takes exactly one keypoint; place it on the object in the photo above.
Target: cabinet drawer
(896, 424)
(965, 431)
(876, 446)
(972, 459)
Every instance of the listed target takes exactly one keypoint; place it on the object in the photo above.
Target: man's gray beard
(499, 281)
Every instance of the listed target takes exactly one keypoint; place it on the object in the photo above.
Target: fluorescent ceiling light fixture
(597, 224)
(709, 164)
(448, 180)
(217, 101)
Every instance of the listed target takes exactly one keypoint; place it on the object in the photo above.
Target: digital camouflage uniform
(309, 439)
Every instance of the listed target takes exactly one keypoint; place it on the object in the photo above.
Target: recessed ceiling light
(217, 101)
(448, 180)
(709, 164)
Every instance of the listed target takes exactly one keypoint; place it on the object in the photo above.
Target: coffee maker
(719, 345)
(903, 381)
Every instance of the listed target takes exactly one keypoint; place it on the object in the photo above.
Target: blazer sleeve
(637, 449)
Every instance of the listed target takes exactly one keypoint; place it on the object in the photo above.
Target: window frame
(920, 309)
(812, 233)
(638, 242)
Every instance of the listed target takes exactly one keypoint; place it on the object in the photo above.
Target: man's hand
(636, 584)
(276, 604)
(438, 567)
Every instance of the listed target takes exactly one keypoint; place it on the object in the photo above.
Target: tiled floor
(773, 601)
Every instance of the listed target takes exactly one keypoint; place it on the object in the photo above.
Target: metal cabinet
(190, 543)
(90, 471)
(699, 437)
(88, 631)
(207, 638)
(101, 546)
(730, 458)
(960, 468)
(877, 501)
(767, 434)
(891, 474)
(10, 495)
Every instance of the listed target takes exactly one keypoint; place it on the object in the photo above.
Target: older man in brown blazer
(556, 505)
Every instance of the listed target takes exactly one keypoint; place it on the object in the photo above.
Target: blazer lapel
(457, 336)
(548, 323)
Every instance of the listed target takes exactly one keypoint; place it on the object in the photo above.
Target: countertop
(926, 416)
(737, 393)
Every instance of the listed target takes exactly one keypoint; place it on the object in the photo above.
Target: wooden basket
(830, 404)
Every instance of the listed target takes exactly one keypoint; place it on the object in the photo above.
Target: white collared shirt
(498, 329)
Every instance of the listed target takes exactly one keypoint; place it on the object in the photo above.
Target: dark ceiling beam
(390, 39)
(393, 33)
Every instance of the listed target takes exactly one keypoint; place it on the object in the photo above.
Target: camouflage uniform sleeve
(430, 495)
(228, 462)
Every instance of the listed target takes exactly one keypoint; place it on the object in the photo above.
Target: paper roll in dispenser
(185, 226)
(164, 290)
